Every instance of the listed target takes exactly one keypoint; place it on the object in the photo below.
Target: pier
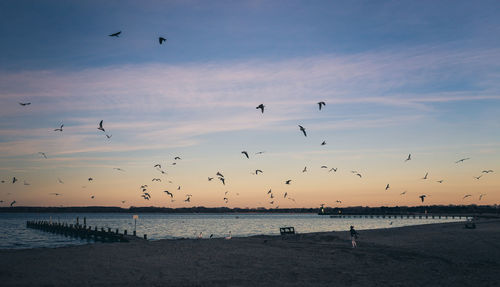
(84, 231)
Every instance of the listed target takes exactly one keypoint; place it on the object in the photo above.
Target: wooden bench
(285, 231)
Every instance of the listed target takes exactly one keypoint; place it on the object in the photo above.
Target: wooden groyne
(403, 216)
(83, 231)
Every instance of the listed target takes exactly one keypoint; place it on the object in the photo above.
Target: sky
(397, 77)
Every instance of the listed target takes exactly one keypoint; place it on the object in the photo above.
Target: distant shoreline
(485, 210)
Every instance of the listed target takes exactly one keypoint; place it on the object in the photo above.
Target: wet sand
(427, 255)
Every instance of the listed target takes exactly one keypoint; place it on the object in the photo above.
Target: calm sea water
(15, 235)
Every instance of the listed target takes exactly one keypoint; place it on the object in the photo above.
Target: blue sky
(398, 77)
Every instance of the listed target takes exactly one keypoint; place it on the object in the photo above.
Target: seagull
(25, 104)
(223, 181)
(440, 181)
(91, 179)
(108, 136)
(188, 198)
(478, 177)
(179, 187)
(210, 178)
(481, 195)
(462, 160)
(259, 152)
(55, 193)
(271, 202)
(467, 195)
(174, 163)
(286, 193)
(257, 171)
(143, 186)
(320, 104)
(100, 126)
(119, 169)
(14, 179)
(219, 174)
(305, 169)
(225, 199)
(261, 107)
(60, 129)
(156, 179)
(169, 193)
(176, 158)
(425, 177)
(245, 153)
(323, 143)
(42, 154)
(338, 201)
(161, 40)
(12, 203)
(303, 130)
(271, 196)
(387, 187)
(324, 166)
(269, 192)
(288, 181)
(117, 34)
(408, 158)
(333, 169)
(146, 197)
(359, 174)
(487, 171)
(422, 197)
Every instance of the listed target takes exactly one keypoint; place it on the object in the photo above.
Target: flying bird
(12, 203)
(288, 181)
(60, 181)
(467, 195)
(92, 197)
(323, 143)
(219, 174)
(338, 201)
(478, 177)
(425, 177)
(223, 180)
(487, 171)
(284, 195)
(169, 193)
(14, 179)
(269, 192)
(271, 196)
(440, 181)
(119, 169)
(305, 169)
(245, 153)
(161, 40)
(387, 187)
(156, 179)
(108, 136)
(259, 152)
(261, 107)
(332, 169)
(117, 34)
(481, 195)
(100, 126)
(303, 130)
(42, 154)
(25, 104)
(210, 178)
(179, 187)
(324, 166)
(55, 193)
(257, 171)
(422, 197)
(123, 201)
(321, 104)
(60, 129)
(176, 158)
(359, 174)
(462, 160)
(91, 179)
(408, 158)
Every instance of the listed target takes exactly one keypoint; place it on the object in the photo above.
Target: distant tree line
(436, 209)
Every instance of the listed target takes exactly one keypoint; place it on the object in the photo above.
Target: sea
(15, 235)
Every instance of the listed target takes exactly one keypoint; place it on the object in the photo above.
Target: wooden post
(145, 236)
(125, 232)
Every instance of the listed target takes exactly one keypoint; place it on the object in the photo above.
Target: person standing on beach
(354, 236)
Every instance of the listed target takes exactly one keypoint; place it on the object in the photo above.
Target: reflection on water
(160, 226)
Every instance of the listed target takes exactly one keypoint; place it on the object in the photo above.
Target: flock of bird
(146, 194)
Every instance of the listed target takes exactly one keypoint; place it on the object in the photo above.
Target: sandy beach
(426, 255)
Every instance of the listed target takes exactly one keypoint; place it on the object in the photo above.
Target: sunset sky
(397, 77)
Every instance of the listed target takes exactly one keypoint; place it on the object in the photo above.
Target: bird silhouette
(161, 40)
(284, 195)
(176, 158)
(219, 174)
(60, 181)
(422, 197)
(462, 160)
(179, 187)
(487, 171)
(338, 201)
(100, 126)
(288, 181)
(90, 179)
(404, 192)
(261, 107)
(321, 104)
(25, 104)
(245, 153)
(14, 179)
(260, 152)
(42, 154)
(269, 192)
(117, 34)
(387, 187)
(108, 136)
(324, 166)
(223, 180)
(440, 181)
(123, 201)
(271, 196)
(478, 177)
(55, 193)
(169, 193)
(118, 169)
(60, 129)
(257, 171)
(481, 195)
(426, 174)
(305, 169)
(303, 130)
(226, 199)
(92, 197)
(408, 158)
(323, 143)
(12, 203)
(332, 169)
(210, 178)
(156, 179)
(359, 174)
(467, 195)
